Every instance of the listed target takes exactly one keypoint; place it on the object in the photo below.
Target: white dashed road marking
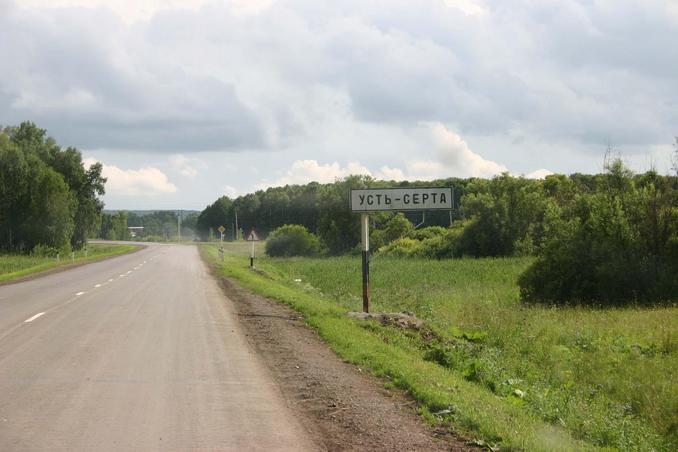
(34, 317)
(79, 293)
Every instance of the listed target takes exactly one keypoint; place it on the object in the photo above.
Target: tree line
(47, 196)
(502, 216)
(321, 208)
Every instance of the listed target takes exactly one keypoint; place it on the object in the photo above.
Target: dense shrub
(428, 232)
(405, 247)
(292, 240)
(432, 242)
(505, 216)
(47, 251)
(443, 245)
(614, 246)
(394, 228)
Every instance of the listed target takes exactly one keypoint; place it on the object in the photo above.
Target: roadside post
(364, 201)
(221, 230)
(365, 241)
(252, 237)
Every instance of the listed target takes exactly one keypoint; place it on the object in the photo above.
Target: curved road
(138, 352)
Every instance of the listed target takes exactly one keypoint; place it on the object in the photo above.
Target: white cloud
(456, 157)
(539, 174)
(388, 173)
(134, 10)
(250, 7)
(426, 170)
(304, 171)
(453, 158)
(147, 181)
(230, 191)
(469, 7)
(187, 166)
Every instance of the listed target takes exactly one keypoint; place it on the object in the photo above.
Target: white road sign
(379, 199)
(252, 237)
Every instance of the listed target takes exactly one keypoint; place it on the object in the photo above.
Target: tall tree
(46, 194)
(86, 186)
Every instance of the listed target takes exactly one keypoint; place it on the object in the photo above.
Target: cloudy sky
(185, 101)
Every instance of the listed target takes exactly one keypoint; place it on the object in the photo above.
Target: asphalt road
(139, 352)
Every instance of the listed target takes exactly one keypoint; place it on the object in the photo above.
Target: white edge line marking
(79, 293)
(34, 317)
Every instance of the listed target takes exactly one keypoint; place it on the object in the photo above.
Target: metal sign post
(365, 239)
(252, 237)
(392, 199)
(221, 230)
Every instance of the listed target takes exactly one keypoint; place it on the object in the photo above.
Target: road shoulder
(342, 406)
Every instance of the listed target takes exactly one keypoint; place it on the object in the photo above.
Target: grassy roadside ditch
(13, 267)
(400, 358)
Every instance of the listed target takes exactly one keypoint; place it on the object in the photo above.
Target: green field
(14, 266)
(521, 377)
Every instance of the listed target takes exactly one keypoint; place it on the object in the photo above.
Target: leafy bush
(442, 246)
(504, 213)
(394, 228)
(428, 232)
(41, 250)
(433, 242)
(405, 247)
(614, 246)
(292, 240)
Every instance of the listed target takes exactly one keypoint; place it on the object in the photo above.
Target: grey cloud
(81, 74)
(564, 71)
(515, 68)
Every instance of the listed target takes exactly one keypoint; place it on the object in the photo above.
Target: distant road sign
(252, 237)
(221, 229)
(403, 199)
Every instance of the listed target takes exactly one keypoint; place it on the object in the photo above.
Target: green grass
(14, 266)
(532, 378)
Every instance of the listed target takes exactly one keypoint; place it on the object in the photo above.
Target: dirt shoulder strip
(342, 406)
